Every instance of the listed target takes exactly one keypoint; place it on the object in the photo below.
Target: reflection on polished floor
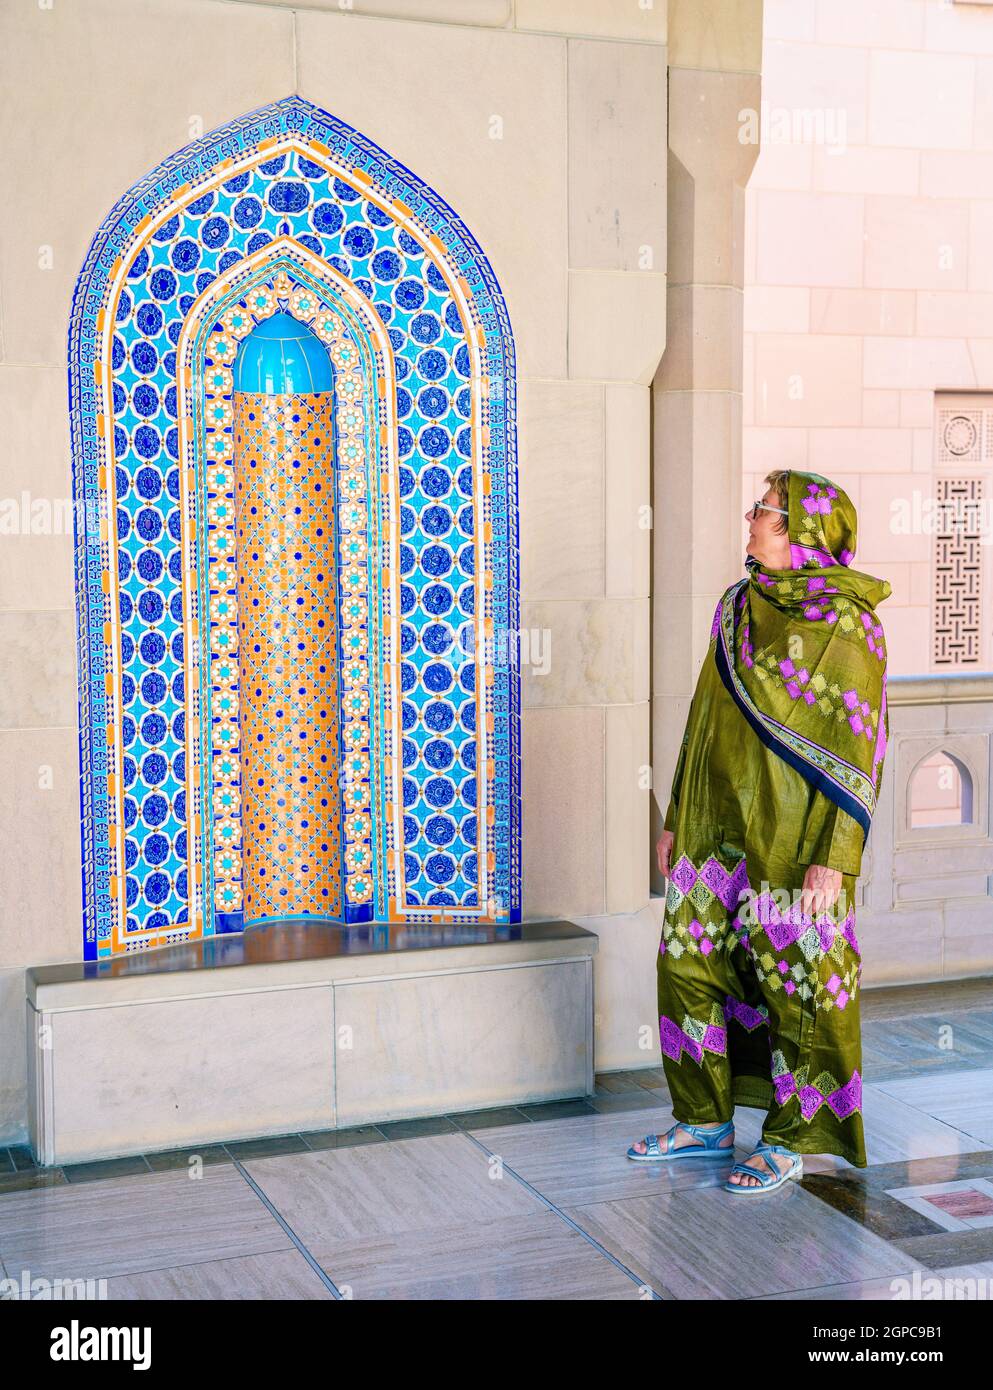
(539, 1201)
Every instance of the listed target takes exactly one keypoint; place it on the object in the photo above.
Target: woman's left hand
(821, 887)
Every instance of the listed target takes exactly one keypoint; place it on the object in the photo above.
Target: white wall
(869, 282)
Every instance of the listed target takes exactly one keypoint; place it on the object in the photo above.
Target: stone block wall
(544, 125)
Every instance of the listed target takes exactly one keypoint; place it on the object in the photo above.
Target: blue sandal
(709, 1148)
(768, 1178)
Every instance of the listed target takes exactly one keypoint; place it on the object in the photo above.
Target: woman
(773, 795)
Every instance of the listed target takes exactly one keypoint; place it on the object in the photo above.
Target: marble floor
(539, 1202)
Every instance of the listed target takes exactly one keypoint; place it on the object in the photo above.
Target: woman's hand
(820, 890)
(663, 851)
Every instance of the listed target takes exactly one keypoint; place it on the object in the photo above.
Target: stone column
(715, 53)
(584, 481)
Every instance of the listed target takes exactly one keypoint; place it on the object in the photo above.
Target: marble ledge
(288, 955)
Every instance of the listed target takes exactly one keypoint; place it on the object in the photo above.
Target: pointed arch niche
(347, 547)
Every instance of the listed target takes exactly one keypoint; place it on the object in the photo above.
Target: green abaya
(758, 1000)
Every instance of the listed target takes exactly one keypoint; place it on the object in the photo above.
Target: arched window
(940, 792)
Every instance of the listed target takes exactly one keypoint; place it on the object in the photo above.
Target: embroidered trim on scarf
(841, 782)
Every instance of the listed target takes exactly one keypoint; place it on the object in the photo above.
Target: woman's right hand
(663, 851)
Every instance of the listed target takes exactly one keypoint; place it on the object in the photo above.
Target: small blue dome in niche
(281, 356)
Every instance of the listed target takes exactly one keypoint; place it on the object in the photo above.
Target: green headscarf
(803, 654)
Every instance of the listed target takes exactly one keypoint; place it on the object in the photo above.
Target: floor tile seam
(163, 1268)
(321, 1273)
(566, 1219)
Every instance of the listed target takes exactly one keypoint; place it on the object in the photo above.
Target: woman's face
(766, 544)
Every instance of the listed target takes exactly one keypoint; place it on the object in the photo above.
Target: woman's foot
(761, 1162)
(681, 1139)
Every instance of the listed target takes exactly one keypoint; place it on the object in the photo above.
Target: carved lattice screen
(961, 600)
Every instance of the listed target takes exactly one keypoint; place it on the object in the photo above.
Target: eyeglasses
(764, 507)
